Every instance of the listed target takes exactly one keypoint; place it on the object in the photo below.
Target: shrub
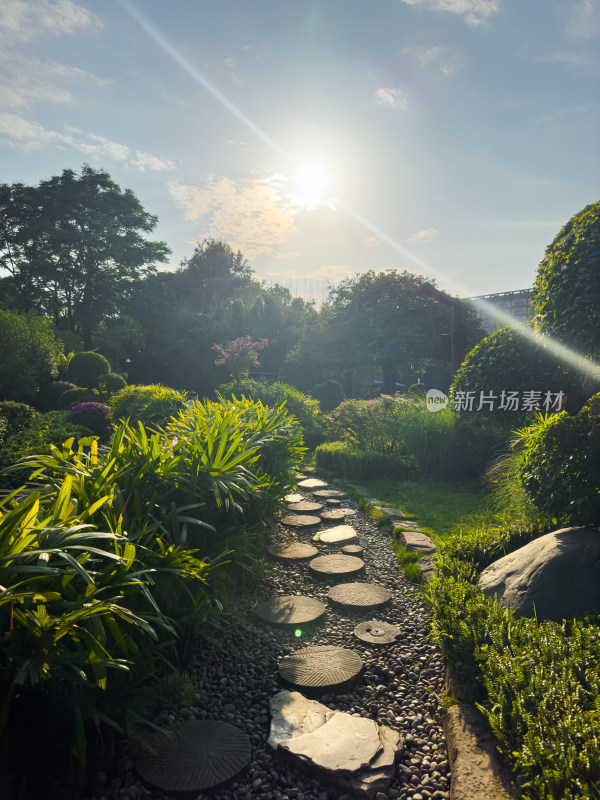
(329, 394)
(71, 397)
(48, 398)
(113, 382)
(151, 405)
(87, 369)
(29, 355)
(18, 416)
(560, 467)
(3, 430)
(568, 278)
(346, 459)
(296, 402)
(47, 429)
(95, 416)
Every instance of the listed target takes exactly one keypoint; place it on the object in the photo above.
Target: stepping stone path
(328, 493)
(301, 521)
(333, 501)
(340, 534)
(336, 565)
(290, 610)
(361, 596)
(293, 550)
(353, 549)
(333, 514)
(321, 669)
(294, 498)
(312, 483)
(305, 506)
(200, 755)
(376, 632)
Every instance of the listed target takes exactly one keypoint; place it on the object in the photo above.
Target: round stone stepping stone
(293, 550)
(200, 755)
(350, 512)
(333, 514)
(333, 501)
(305, 505)
(359, 595)
(290, 609)
(353, 549)
(328, 493)
(321, 669)
(312, 483)
(301, 521)
(376, 632)
(294, 498)
(340, 534)
(337, 565)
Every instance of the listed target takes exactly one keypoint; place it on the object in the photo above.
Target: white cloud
(434, 57)
(25, 82)
(584, 20)
(420, 237)
(250, 213)
(28, 136)
(474, 11)
(26, 20)
(392, 98)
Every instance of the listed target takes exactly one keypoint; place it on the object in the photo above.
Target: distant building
(516, 304)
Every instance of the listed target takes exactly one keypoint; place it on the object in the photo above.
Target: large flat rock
(416, 542)
(340, 534)
(352, 753)
(555, 577)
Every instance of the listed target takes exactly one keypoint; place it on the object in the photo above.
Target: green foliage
(560, 466)
(509, 361)
(345, 459)
(29, 355)
(88, 369)
(18, 416)
(3, 430)
(71, 397)
(95, 416)
(113, 382)
(398, 429)
(82, 236)
(329, 394)
(44, 431)
(151, 405)
(568, 279)
(48, 398)
(296, 402)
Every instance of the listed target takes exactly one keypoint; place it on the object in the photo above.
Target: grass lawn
(440, 508)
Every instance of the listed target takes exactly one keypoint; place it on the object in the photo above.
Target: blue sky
(322, 139)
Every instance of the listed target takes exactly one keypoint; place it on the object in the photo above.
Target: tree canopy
(73, 246)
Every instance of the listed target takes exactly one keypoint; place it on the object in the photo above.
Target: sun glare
(311, 184)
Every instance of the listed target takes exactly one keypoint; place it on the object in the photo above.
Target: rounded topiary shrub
(509, 361)
(113, 382)
(48, 398)
(18, 416)
(565, 300)
(329, 394)
(95, 416)
(151, 405)
(560, 465)
(71, 397)
(87, 369)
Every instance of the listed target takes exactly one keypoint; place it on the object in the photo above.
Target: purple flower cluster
(95, 416)
(238, 349)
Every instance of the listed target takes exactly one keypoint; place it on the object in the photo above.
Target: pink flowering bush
(95, 416)
(239, 355)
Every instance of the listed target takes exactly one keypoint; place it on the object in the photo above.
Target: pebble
(235, 674)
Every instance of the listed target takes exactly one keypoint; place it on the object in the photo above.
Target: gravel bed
(235, 676)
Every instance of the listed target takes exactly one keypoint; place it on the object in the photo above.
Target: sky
(322, 138)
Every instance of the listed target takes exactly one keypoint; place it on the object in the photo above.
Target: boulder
(416, 542)
(353, 753)
(554, 577)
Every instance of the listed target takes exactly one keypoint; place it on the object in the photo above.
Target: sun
(311, 184)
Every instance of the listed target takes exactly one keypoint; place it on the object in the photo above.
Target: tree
(73, 247)
(214, 273)
(566, 296)
(29, 355)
